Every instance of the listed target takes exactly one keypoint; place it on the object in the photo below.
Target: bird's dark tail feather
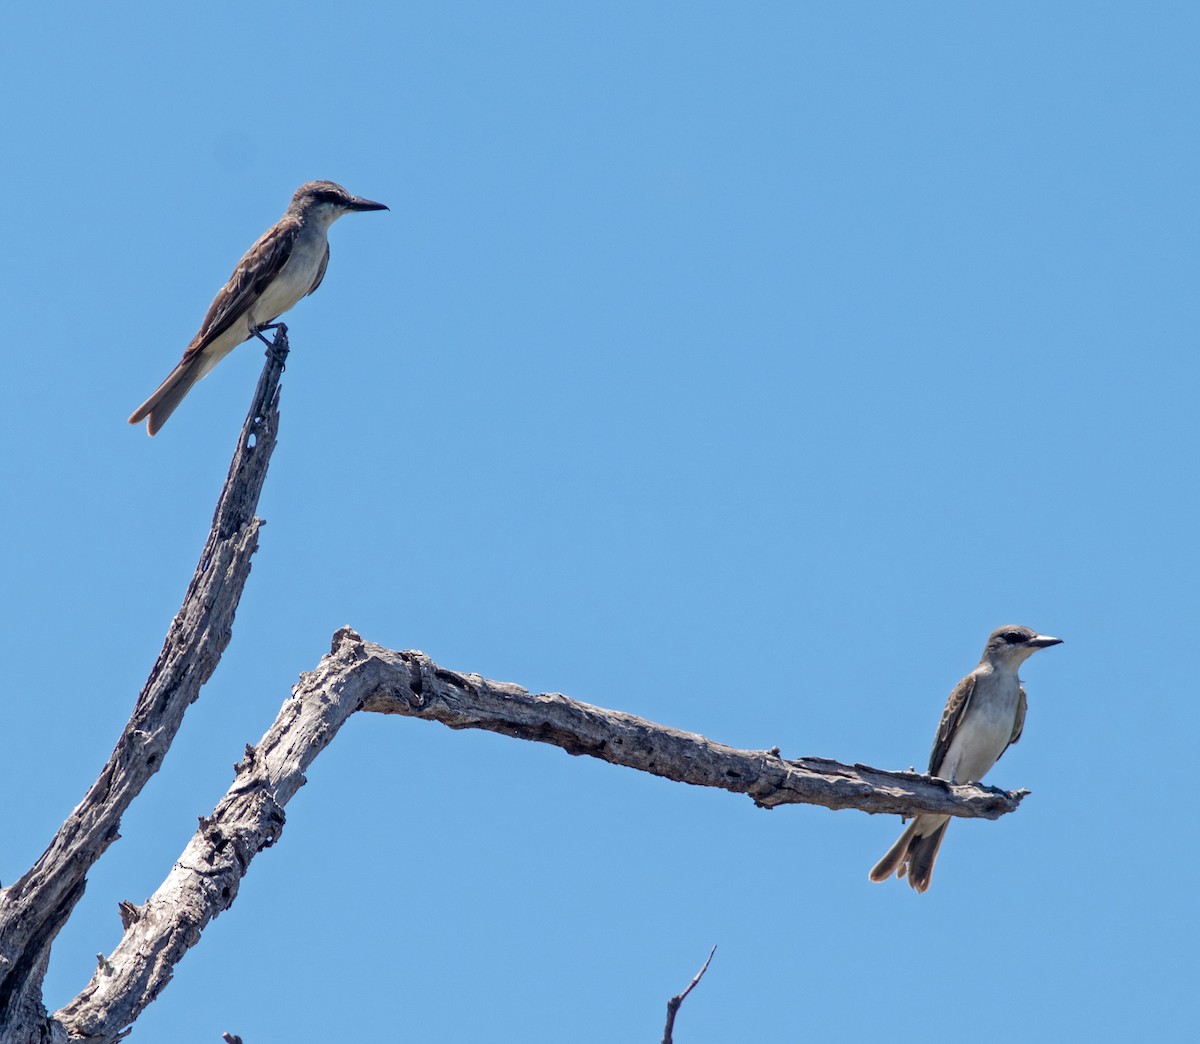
(156, 409)
(895, 857)
(922, 854)
(912, 854)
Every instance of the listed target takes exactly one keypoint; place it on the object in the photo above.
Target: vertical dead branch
(34, 908)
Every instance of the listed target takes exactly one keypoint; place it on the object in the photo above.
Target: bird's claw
(277, 346)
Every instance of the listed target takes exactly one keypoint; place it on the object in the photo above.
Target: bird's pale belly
(295, 280)
(981, 739)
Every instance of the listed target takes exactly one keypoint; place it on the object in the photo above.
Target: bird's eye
(1014, 637)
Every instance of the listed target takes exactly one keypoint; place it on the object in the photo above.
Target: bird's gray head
(1012, 645)
(327, 201)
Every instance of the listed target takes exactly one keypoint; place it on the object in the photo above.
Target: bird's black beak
(357, 203)
(1044, 641)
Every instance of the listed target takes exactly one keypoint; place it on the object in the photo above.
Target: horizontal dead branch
(359, 675)
(410, 683)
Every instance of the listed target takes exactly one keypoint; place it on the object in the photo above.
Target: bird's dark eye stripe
(1012, 637)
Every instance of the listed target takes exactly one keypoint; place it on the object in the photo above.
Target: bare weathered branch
(674, 1003)
(359, 675)
(410, 683)
(205, 880)
(34, 908)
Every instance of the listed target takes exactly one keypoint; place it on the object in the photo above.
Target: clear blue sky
(738, 366)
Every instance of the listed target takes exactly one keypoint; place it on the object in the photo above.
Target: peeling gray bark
(359, 675)
(34, 908)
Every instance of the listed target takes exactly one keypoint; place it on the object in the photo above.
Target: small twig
(130, 914)
(674, 1003)
(231, 1038)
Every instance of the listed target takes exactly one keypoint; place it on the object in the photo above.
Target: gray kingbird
(287, 263)
(984, 714)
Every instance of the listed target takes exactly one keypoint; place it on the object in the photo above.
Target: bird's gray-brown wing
(952, 716)
(1018, 721)
(253, 274)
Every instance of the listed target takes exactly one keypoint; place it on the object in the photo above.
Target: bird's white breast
(986, 728)
(295, 279)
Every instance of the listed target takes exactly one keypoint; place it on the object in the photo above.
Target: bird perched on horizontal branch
(984, 715)
(287, 263)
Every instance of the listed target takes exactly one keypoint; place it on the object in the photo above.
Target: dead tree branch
(34, 908)
(206, 878)
(356, 675)
(359, 675)
(410, 683)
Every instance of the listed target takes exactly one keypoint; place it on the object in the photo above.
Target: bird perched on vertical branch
(984, 715)
(287, 263)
